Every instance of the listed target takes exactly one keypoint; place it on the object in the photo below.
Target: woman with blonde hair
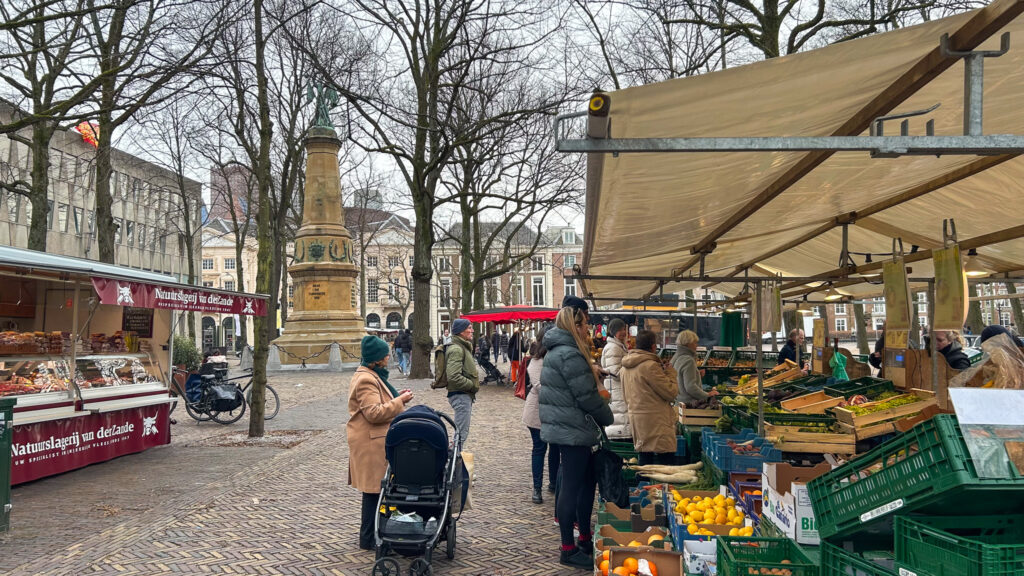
(571, 412)
(950, 344)
(691, 390)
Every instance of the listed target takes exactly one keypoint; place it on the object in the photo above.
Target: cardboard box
(669, 563)
(786, 501)
(608, 537)
(697, 553)
(644, 517)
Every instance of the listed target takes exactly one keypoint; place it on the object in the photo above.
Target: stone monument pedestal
(323, 322)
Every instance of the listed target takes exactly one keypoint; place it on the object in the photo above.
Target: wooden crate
(813, 403)
(847, 417)
(698, 416)
(791, 439)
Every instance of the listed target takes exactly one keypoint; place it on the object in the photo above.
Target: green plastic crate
(867, 386)
(927, 469)
(961, 546)
(837, 562)
(743, 419)
(768, 359)
(737, 555)
(693, 447)
(765, 529)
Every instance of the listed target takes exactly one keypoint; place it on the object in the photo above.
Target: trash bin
(6, 437)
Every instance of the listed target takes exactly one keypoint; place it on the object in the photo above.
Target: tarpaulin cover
(509, 314)
(139, 295)
(645, 212)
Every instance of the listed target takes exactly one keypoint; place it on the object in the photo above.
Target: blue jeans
(403, 361)
(539, 448)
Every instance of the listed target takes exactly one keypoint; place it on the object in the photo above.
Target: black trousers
(666, 458)
(575, 501)
(366, 538)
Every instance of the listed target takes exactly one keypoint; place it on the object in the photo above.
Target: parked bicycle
(271, 402)
(202, 404)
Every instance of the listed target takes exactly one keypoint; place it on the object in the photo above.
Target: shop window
(373, 321)
(840, 324)
(372, 286)
(394, 321)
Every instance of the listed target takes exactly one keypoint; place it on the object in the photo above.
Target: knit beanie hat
(373, 349)
(993, 331)
(577, 303)
(460, 325)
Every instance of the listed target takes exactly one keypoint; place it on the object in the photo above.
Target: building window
(840, 324)
(62, 217)
(371, 292)
(393, 290)
(163, 243)
(130, 233)
(538, 263)
(142, 236)
(207, 264)
(568, 236)
(207, 284)
(1004, 318)
(411, 261)
(446, 294)
(371, 261)
(229, 285)
(394, 261)
(986, 318)
(13, 200)
(49, 214)
(229, 263)
(922, 305)
(878, 306)
(879, 324)
(840, 308)
(538, 291)
(373, 321)
(570, 287)
(444, 264)
(570, 261)
(394, 321)
(491, 291)
(118, 228)
(92, 222)
(78, 220)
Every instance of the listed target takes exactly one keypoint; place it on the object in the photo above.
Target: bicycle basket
(225, 397)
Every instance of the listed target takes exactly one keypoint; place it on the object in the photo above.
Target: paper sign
(950, 290)
(897, 296)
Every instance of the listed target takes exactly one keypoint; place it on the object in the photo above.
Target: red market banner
(138, 295)
(47, 448)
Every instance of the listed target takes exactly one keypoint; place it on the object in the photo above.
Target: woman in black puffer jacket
(571, 409)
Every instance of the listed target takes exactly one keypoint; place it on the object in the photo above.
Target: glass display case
(41, 378)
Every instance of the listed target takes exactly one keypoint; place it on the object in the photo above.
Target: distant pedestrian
(496, 344)
(404, 345)
(504, 345)
(515, 352)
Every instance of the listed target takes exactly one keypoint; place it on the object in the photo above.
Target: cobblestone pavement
(195, 509)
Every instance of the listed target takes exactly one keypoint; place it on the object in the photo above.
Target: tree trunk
(104, 200)
(1018, 316)
(466, 271)
(974, 318)
(422, 271)
(42, 133)
(862, 329)
(267, 248)
(243, 322)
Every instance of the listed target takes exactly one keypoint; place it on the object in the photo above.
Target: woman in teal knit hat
(372, 404)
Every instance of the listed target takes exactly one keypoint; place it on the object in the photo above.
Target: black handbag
(608, 469)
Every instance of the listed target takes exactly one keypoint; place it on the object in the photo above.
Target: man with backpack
(460, 375)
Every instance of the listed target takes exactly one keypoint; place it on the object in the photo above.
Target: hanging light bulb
(832, 294)
(972, 266)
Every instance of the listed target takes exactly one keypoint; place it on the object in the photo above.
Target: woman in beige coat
(650, 392)
(372, 404)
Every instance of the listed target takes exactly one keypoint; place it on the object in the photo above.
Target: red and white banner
(139, 295)
(47, 448)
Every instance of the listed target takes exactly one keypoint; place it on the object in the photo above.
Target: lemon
(734, 532)
(697, 516)
(731, 514)
(730, 502)
(691, 528)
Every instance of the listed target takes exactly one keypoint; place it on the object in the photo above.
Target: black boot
(537, 497)
(587, 546)
(577, 559)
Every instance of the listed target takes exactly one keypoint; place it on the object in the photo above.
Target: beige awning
(646, 212)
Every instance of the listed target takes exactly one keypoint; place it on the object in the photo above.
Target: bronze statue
(326, 98)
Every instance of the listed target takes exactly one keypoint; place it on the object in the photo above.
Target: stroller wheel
(450, 540)
(386, 567)
(419, 567)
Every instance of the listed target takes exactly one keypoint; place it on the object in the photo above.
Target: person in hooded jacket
(650, 393)
(611, 360)
(950, 345)
(571, 414)
(372, 404)
(531, 418)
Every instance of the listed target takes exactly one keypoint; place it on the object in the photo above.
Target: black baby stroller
(418, 494)
(493, 374)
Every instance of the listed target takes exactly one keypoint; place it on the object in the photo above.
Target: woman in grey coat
(531, 417)
(691, 390)
(571, 412)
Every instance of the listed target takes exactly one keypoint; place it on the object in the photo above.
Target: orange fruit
(604, 555)
(604, 567)
(620, 571)
(655, 537)
(653, 568)
(631, 564)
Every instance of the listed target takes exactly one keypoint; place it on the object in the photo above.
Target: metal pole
(758, 356)
(931, 340)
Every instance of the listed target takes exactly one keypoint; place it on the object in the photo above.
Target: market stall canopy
(509, 314)
(122, 286)
(652, 214)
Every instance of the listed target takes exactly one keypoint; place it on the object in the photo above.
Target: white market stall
(85, 350)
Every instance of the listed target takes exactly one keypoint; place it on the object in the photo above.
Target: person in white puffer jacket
(611, 360)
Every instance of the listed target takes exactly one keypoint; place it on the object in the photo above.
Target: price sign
(138, 320)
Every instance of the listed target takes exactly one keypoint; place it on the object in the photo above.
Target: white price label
(882, 510)
(905, 572)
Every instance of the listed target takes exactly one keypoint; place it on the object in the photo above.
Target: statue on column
(326, 98)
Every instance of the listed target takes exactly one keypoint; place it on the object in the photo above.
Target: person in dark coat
(995, 330)
(503, 343)
(950, 345)
(794, 347)
(572, 413)
(496, 344)
(516, 347)
(879, 354)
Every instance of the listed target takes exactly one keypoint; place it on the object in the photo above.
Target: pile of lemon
(718, 510)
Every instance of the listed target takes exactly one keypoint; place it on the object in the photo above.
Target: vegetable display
(883, 404)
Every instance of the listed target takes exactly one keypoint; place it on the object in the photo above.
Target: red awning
(142, 295)
(509, 314)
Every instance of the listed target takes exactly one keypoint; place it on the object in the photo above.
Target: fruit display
(871, 408)
(709, 403)
(716, 363)
(697, 512)
(630, 565)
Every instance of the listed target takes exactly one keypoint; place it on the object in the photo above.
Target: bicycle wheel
(199, 411)
(271, 403)
(231, 416)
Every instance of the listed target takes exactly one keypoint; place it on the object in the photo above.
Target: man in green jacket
(462, 375)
